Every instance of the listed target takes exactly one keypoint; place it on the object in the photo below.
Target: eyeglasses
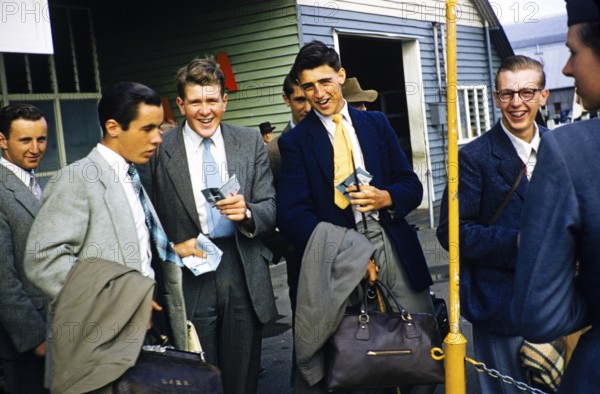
(524, 94)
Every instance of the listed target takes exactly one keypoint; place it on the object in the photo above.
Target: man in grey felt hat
(356, 96)
(557, 284)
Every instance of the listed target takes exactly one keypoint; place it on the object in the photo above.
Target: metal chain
(480, 367)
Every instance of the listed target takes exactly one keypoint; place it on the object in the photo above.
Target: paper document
(200, 266)
(363, 177)
(229, 188)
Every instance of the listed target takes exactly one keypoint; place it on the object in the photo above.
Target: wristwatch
(248, 214)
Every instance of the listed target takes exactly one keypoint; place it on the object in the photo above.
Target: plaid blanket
(544, 363)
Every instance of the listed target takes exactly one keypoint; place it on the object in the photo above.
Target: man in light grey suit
(228, 306)
(92, 209)
(23, 136)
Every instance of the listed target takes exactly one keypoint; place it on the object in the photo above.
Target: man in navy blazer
(488, 168)
(558, 271)
(305, 194)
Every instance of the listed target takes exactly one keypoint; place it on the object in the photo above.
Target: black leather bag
(375, 349)
(161, 369)
(441, 314)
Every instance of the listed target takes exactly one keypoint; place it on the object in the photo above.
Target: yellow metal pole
(455, 342)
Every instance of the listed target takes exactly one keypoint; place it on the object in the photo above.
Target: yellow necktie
(342, 159)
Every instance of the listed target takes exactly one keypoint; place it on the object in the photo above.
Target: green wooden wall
(148, 46)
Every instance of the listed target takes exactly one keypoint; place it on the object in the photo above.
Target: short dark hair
(520, 62)
(122, 101)
(13, 112)
(313, 55)
(200, 71)
(289, 86)
(589, 33)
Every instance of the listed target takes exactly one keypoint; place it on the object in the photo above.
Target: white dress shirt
(359, 161)
(527, 151)
(120, 167)
(194, 150)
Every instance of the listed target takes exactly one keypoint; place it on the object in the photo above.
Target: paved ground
(277, 342)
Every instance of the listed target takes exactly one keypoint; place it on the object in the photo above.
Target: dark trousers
(219, 305)
(24, 376)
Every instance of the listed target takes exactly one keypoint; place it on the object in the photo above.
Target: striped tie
(34, 186)
(163, 247)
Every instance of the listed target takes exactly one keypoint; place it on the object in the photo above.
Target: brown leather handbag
(375, 349)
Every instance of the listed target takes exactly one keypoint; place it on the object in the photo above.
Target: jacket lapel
(509, 162)
(321, 145)
(176, 165)
(233, 149)
(366, 136)
(21, 193)
(115, 199)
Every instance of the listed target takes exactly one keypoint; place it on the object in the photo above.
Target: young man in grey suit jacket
(23, 137)
(228, 306)
(92, 209)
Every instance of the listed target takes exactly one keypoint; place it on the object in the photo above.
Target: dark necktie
(218, 225)
(161, 242)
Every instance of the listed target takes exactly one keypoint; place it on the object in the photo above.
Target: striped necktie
(34, 186)
(161, 242)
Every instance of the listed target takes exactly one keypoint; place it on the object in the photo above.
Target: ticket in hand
(364, 178)
(229, 188)
(200, 266)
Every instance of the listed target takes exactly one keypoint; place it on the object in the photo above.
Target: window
(473, 114)
(65, 86)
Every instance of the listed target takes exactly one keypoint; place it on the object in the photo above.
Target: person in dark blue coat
(489, 166)
(558, 269)
(306, 195)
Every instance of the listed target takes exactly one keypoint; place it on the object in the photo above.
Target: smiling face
(583, 65)
(322, 87)
(26, 143)
(138, 143)
(518, 116)
(298, 104)
(203, 108)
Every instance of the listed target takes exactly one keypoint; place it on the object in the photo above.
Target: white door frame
(417, 116)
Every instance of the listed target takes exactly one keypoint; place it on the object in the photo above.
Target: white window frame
(56, 97)
(478, 95)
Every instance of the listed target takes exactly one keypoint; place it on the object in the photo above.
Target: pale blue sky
(519, 11)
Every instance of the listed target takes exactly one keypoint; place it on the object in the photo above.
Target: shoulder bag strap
(508, 196)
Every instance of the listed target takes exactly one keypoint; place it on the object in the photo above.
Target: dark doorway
(377, 63)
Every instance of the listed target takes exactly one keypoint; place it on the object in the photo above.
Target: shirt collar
(521, 146)
(19, 172)
(329, 119)
(115, 160)
(195, 140)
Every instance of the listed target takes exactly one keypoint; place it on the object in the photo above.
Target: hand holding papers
(363, 177)
(229, 188)
(198, 265)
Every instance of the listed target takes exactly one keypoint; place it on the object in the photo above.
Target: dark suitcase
(162, 369)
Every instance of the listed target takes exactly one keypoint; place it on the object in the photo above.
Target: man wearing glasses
(494, 174)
